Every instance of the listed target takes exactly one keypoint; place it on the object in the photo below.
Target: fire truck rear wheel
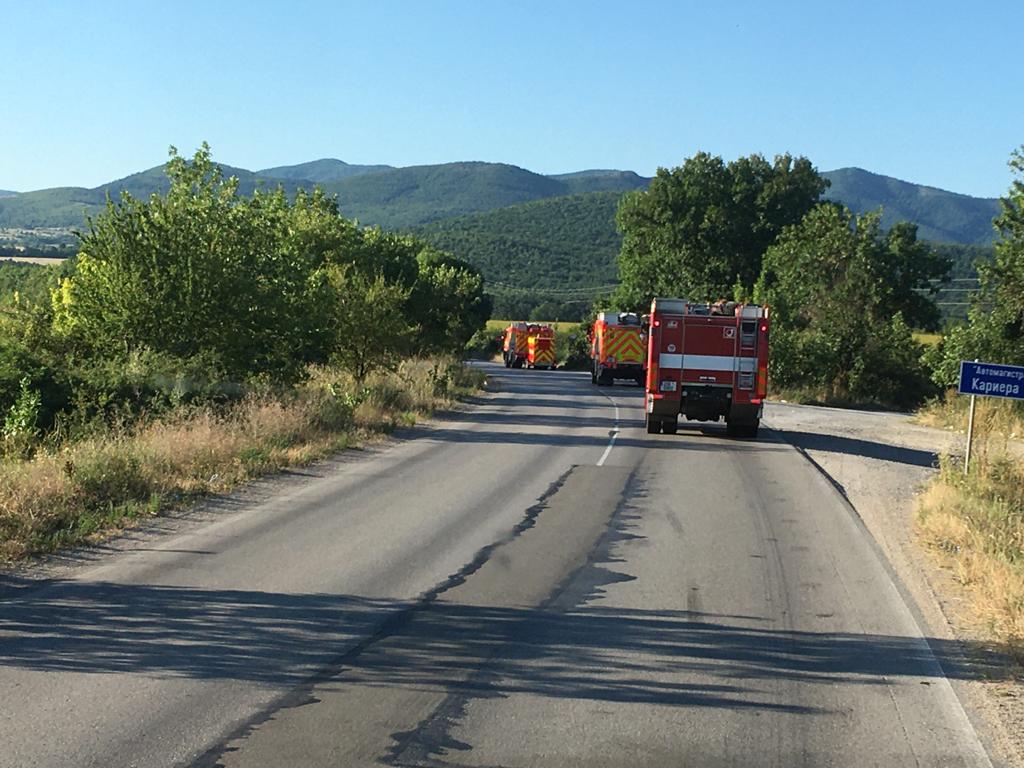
(653, 425)
(669, 426)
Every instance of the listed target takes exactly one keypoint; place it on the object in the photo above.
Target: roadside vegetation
(201, 337)
(975, 524)
(975, 521)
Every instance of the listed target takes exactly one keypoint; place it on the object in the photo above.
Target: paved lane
(486, 595)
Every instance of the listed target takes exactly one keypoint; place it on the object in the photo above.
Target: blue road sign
(992, 380)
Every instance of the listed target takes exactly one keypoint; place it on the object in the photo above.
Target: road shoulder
(879, 462)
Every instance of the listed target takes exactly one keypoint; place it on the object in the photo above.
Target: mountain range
(415, 196)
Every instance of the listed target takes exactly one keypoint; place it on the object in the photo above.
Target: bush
(485, 344)
(21, 425)
(838, 288)
(577, 348)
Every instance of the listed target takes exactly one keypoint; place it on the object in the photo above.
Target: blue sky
(929, 92)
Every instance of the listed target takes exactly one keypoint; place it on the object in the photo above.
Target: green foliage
(995, 330)
(564, 242)
(252, 283)
(702, 228)
(407, 197)
(200, 270)
(21, 282)
(21, 424)
(368, 326)
(557, 253)
(447, 303)
(844, 299)
(201, 295)
(484, 344)
(577, 345)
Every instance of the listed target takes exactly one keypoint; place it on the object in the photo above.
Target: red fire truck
(529, 344)
(706, 362)
(617, 348)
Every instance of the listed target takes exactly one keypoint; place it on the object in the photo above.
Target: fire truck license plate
(668, 386)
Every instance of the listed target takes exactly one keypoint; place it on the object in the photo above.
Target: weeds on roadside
(993, 416)
(976, 523)
(80, 489)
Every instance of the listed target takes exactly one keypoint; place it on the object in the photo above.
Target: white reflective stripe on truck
(707, 362)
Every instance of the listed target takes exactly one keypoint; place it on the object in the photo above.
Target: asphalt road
(533, 581)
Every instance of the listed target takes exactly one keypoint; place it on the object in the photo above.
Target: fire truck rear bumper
(622, 370)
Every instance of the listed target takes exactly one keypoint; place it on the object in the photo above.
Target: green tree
(844, 298)
(447, 302)
(702, 228)
(369, 328)
(995, 328)
(200, 270)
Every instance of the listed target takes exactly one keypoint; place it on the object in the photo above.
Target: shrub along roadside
(94, 486)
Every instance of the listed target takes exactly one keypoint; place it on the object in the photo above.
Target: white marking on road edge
(615, 432)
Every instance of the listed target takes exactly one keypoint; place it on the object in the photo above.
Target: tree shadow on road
(609, 654)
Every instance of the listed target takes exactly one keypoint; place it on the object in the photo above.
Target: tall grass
(84, 489)
(992, 416)
(976, 522)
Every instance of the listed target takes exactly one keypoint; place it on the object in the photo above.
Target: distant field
(928, 339)
(31, 260)
(500, 325)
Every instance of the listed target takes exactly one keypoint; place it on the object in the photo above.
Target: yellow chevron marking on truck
(624, 345)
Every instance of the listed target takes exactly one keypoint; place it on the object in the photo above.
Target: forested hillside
(940, 216)
(400, 198)
(564, 242)
(319, 171)
(601, 180)
(68, 206)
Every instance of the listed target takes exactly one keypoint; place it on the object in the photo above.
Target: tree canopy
(844, 298)
(260, 285)
(701, 230)
(995, 328)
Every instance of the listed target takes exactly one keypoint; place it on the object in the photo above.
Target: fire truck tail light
(656, 323)
(764, 327)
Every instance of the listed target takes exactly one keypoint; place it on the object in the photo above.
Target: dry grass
(89, 488)
(41, 260)
(976, 524)
(992, 416)
(809, 396)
